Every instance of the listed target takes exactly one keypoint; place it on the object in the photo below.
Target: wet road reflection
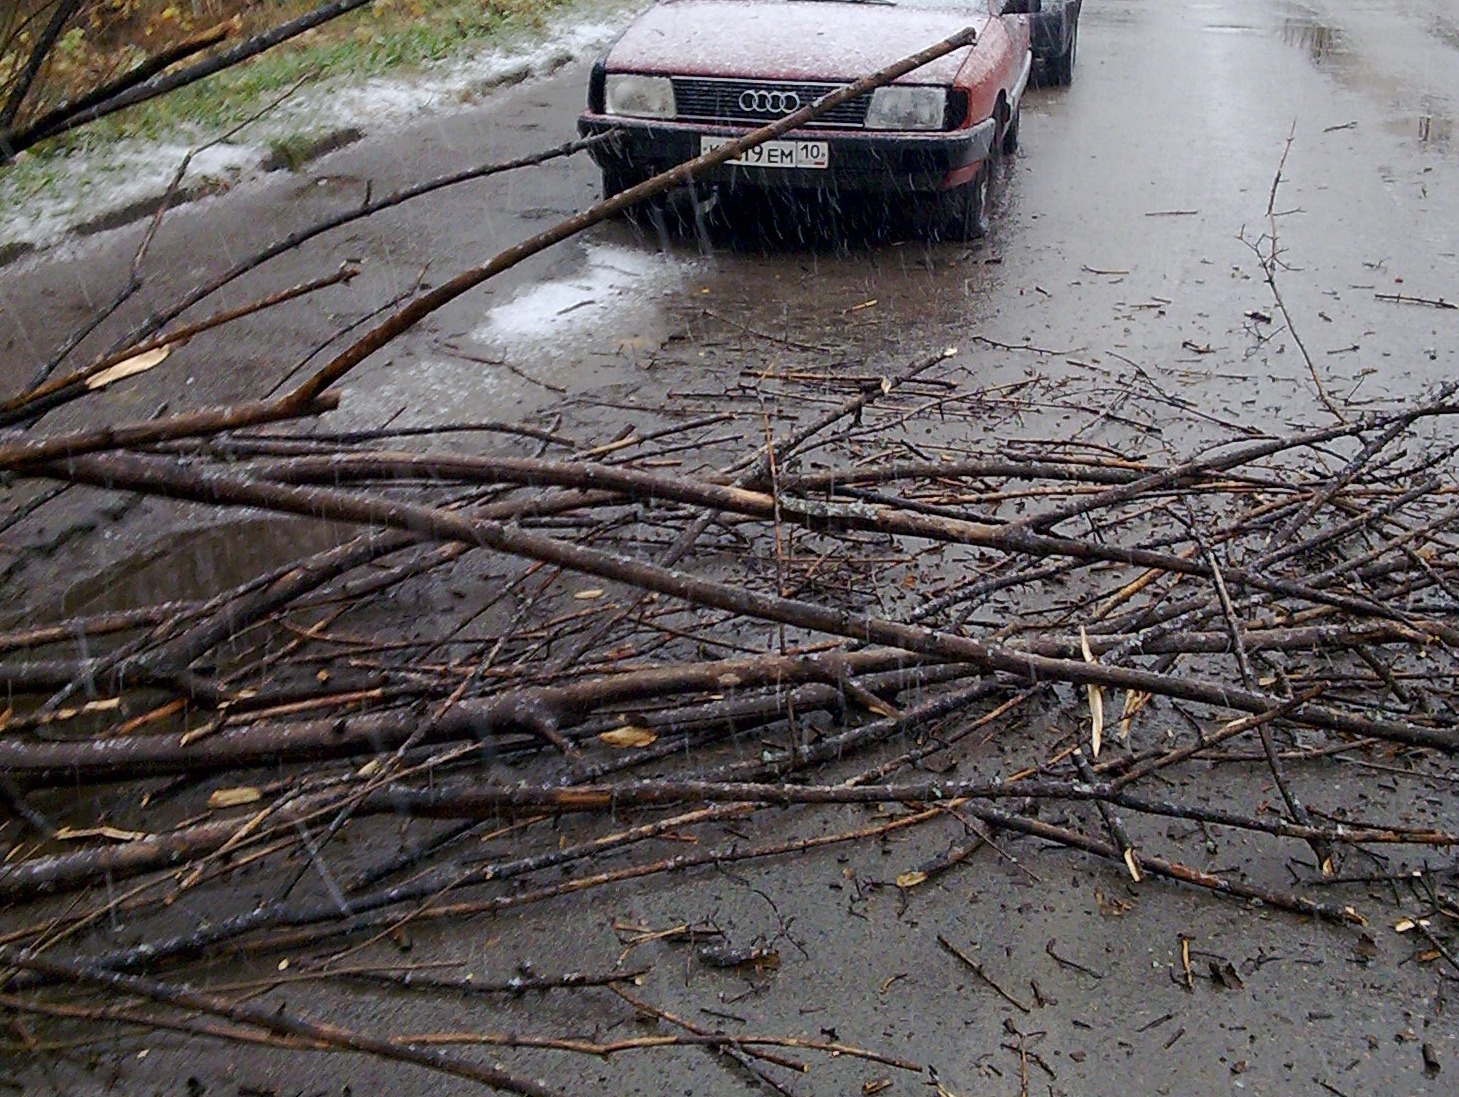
(1126, 245)
(1125, 254)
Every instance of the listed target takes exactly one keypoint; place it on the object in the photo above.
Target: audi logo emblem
(753, 101)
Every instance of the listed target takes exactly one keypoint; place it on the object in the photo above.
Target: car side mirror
(1020, 7)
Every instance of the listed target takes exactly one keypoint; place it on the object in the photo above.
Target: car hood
(796, 40)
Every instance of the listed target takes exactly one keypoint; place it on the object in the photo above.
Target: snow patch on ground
(420, 393)
(611, 294)
(42, 204)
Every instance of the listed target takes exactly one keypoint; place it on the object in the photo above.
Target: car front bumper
(857, 161)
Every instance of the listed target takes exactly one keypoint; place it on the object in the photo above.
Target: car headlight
(899, 107)
(638, 96)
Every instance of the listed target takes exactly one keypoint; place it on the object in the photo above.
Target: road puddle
(1319, 41)
(1436, 130)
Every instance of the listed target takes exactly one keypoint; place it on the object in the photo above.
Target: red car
(690, 74)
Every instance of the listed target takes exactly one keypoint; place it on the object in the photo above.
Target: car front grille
(757, 102)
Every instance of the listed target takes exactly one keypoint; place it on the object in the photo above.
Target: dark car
(1054, 30)
(690, 75)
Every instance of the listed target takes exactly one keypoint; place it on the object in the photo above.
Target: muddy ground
(1119, 294)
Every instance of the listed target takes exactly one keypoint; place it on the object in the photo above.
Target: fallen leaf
(1110, 906)
(234, 797)
(1132, 865)
(910, 879)
(1135, 700)
(628, 736)
(1224, 975)
(127, 367)
(588, 595)
(1096, 701)
(114, 833)
(874, 704)
(1432, 1065)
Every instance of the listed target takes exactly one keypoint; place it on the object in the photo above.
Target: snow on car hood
(789, 39)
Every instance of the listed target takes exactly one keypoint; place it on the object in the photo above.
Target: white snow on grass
(390, 100)
(42, 200)
(88, 185)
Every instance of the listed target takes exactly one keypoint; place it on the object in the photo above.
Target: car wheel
(1009, 144)
(962, 213)
(1064, 63)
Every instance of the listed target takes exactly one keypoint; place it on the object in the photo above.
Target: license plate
(775, 154)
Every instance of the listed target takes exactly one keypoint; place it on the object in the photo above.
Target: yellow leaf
(114, 833)
(628, 736)
(1132, 865)
(234, 797)
(1096, 701)
(911, 879)
(138, 363)
(1135, 700)
(588, 595)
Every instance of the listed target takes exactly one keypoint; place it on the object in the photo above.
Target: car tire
(1009, 144)
(1063, 64)
(962, 213)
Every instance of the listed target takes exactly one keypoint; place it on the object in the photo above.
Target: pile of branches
(1240, 604)
(576, 627)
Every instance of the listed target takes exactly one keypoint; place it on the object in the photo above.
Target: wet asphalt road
(1122, 263)
(1124, 251)
(1118, 234)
